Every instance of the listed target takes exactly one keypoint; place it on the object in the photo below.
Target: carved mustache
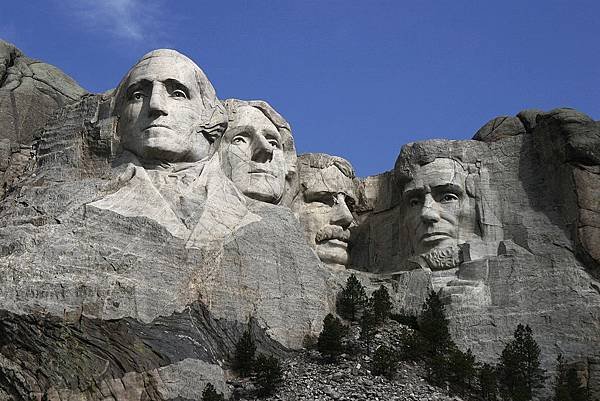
(332, 232)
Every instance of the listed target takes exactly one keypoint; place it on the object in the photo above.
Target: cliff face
(127, 279)
(534, 257)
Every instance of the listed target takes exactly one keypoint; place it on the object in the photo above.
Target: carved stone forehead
(440, 172)
(166, 66)
(326, 180)
(248, 115)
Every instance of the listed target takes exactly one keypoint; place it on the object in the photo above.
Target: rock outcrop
(142, 230)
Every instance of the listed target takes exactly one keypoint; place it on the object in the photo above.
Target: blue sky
(356, 79)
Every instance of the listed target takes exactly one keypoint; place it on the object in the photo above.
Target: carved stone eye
(449, 197)
(415, 202)
(239, 139)
(137, 95)
(179, 93)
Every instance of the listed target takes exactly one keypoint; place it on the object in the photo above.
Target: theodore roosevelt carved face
(165, 105)
(438, 212)
(324, 205)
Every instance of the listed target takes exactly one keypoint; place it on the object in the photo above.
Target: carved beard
(442, 259)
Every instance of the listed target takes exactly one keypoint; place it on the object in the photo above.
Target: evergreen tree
(488, 382)
(244, 354)
(384, 362)
(210, 394)
(329, 343)
(268, 374)
(352, 299)
(519, 368)
(568, 386)
(433, 326)
(367, 326)
(461, 367)
(381, 303)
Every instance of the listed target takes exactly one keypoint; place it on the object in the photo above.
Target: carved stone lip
(261, 171)
(157, 126)
(434, 236)
(339, 242)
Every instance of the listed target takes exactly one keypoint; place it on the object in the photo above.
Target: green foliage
(268, 374)
(381, 303)
(384, 362)
(433, 326)
(244, 354)
(519, 368)
(352, 299)
(406, 319)
(412, 345)
(329, 343)
(368, 323)
(210, 394)
(568, 387)
(488, 382)
(461, 367)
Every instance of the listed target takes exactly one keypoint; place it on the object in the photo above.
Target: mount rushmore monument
(143, 229)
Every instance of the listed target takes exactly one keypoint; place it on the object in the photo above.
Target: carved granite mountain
(146, 228)
(30, 92)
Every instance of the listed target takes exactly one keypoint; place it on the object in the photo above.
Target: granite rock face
(30, 92)
(142, 230)
(533, 258)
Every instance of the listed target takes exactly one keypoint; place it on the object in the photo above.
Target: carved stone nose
(262, 151)
(158, 104)
(429, 212)
(340, 213)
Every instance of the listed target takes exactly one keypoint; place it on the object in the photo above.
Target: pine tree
(488, 382)
(568, 386)
(519, 368)
(352, 299)
(367, 326)
(210, 394)
(433, 326)
(268, 374)
(384, 362)
(244, 354)
(461, 366)
(381, 303)
(329, 343)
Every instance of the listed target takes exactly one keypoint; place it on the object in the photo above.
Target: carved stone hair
(322, 161)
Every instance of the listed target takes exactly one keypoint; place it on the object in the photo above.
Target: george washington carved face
(163, 104)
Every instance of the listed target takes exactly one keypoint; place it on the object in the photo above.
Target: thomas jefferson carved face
(325, 204)
(252, 155)
(161, 107)
(439, 213)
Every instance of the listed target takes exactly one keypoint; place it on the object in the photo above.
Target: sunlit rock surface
(130, 267)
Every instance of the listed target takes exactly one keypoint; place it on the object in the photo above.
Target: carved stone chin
(442, 258)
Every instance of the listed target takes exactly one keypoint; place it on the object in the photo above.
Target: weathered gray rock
(498, 128)
(30, 91)
(136, 247)
(164, 263)
(532, 261)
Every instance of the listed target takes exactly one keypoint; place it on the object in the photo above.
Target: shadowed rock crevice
(55, 353)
